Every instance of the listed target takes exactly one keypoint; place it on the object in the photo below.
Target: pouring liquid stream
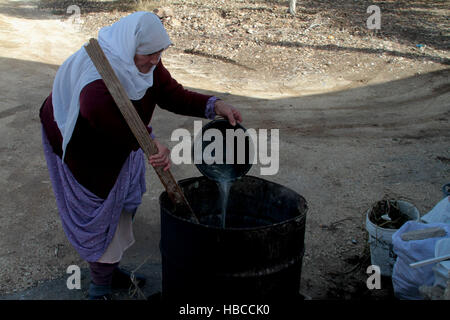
(217, 166)
(224, 178)
(224, 189)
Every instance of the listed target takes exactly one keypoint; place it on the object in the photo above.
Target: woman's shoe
(99, 292)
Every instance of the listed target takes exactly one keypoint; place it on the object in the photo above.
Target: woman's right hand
(221, 108)
(162, 158)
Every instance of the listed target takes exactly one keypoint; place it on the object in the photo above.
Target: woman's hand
(227, 111)
(162, 158)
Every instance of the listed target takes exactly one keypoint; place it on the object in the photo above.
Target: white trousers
(123, 239)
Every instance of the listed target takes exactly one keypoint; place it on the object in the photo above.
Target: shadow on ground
(57, 289)
(354, 144)
(407, 21)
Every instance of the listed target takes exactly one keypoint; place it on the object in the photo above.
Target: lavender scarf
(89, 221)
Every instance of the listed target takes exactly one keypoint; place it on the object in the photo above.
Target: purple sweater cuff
(209, 112)
(151, 132)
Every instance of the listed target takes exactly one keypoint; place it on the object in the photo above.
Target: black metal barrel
(257, 257)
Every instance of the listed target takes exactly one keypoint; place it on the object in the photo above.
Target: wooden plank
(138, 128)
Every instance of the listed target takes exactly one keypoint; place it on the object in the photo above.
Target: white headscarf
(141, 33)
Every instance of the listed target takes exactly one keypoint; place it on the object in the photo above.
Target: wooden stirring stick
(136, 125)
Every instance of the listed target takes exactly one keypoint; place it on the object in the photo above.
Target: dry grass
(148, 5)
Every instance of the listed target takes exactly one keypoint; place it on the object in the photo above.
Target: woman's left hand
(227, 111)
(162, 158)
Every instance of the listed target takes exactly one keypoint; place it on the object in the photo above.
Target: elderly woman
(95, 164)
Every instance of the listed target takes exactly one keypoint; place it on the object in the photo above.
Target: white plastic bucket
(380, 239)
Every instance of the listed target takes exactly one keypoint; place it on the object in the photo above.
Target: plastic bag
(442, 269)
(406, 280)
(440, 212)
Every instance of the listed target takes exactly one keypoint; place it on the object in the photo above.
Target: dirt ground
(363, 114)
